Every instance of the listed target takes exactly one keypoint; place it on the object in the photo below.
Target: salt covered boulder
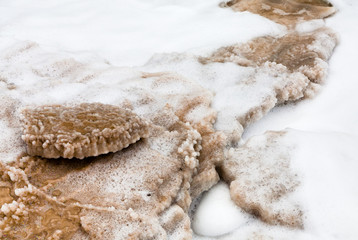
(84, 130)
(287, 12)
(141, 192)
(303, 52)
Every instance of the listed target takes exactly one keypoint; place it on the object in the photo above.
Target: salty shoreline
(201, 103)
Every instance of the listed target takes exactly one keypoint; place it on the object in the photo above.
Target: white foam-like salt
(223, 217)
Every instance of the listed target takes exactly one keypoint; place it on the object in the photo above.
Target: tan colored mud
(27, 213)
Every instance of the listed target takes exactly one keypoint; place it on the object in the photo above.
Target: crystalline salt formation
(85, 130)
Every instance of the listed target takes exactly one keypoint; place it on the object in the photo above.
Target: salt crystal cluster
(84, 130)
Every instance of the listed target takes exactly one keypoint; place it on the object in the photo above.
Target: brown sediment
(261, 179)
(5, 196)
(287, 12)
(84, 130)
(27, 213)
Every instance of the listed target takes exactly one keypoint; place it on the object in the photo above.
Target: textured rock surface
(130, 190)
(85, 130)
(143, 191)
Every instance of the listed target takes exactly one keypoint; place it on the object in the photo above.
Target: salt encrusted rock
(147, 175)
(77, 192)
(80, 131)
(261, 179)
(306, 53)
(134, 196)
(178, 111)
(287, 12)
(286, 69)
(278, 70)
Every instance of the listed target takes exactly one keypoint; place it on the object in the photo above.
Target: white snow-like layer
(224, 217)
(129, 32)
(328, 165)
